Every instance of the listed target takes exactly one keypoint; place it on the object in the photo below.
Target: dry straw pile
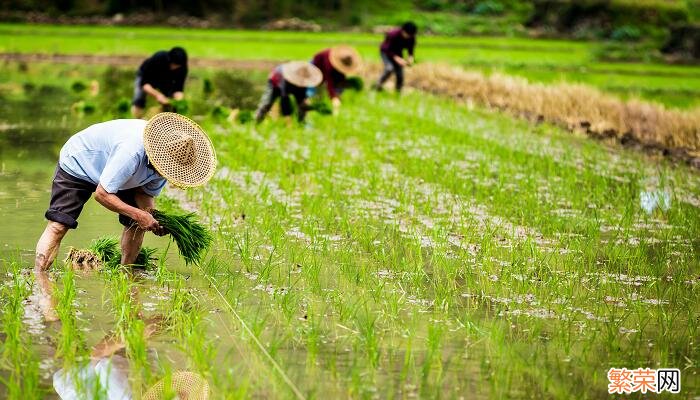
(575, 107)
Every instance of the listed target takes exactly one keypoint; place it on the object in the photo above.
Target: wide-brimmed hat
(186, 385)
(302, 74)
(179, 150)
(345, 59)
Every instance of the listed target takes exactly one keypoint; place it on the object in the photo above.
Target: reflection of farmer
(287, 80)
(125, 163)
(106, 375)
(161, 76)
(391, 50)
(335, 64)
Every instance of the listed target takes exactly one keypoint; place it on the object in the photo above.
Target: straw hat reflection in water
(302, 74)
(185, 384)
(179, 150)
(345, 59)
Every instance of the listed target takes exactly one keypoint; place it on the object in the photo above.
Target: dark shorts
(139, 99)
(69, 194)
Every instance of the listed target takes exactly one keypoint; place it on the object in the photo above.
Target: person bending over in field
(126, 164)
(162, 76)
(336, 64)
(290, 79)
(395, 42)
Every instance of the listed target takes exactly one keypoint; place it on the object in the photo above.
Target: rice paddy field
(410, 247)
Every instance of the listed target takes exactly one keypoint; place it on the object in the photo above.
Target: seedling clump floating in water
(104, 252)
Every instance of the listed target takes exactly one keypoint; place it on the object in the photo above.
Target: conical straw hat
(302, 74)
(179, 150)
(345, 59)
(187, 385)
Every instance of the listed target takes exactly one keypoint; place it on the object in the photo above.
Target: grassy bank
(538, 60)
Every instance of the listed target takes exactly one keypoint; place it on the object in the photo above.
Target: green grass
(542, 60)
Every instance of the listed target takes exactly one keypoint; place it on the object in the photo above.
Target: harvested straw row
(575, 107)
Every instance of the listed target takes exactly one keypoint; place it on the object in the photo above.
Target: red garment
(394, 43)
(333, 78)
(276, 76)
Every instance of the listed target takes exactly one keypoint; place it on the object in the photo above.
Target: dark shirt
(285, 87)
(156, 72)
(333, 78)
(394, 43)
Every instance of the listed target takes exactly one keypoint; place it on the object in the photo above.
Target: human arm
(399, 60)
(142, 217)
(155, 93)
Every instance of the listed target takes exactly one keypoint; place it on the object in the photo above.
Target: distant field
(536, 59)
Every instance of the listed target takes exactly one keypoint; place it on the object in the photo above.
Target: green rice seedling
(354, 83)
(71, 343)
(245, 116)
(147, 258)
(321, 106)
(107, 249)
(16, 355)
(192, 238)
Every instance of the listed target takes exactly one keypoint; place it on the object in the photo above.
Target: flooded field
(410, 247)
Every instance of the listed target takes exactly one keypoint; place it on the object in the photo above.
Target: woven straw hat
(187, 385)
(345, 59)
(179, 150)
(302, 74)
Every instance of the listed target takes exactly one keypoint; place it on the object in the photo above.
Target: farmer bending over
(162, 76)
(286, 80)
(125, 163)
(335, 64)
(391, 50)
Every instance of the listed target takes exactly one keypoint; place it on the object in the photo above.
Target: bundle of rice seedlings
(104, 253)
(192, 238)
(354, 83)
(107, 250)
(147, 258)
(321, 106)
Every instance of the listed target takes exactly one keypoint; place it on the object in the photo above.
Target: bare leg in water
(132, 236)
(46, 250)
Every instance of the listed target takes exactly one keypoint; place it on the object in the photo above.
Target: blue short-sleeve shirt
(111, 154)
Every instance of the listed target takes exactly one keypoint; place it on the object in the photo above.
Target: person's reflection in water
(108, 369)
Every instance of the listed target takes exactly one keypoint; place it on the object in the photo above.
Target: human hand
(411, 61)
(336, 104)
(162, 99)
(400, 61)
(146, 222)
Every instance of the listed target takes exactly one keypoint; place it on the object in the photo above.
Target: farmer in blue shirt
(126, 164)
